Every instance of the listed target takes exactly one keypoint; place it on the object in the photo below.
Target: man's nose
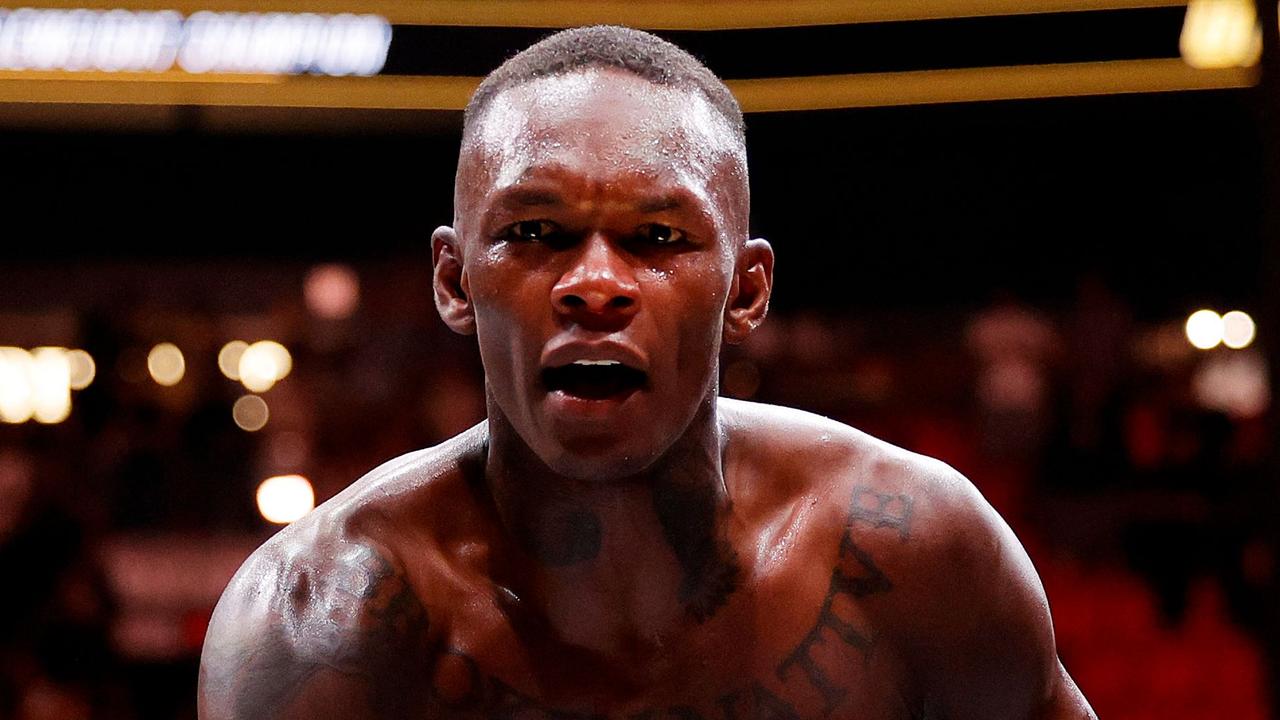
(600, 288)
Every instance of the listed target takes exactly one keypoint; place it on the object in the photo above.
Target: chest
(798, 640)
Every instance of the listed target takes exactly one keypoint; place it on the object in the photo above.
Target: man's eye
(658, 234)
(531, 230)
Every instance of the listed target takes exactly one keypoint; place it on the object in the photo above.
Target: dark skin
(661, 553)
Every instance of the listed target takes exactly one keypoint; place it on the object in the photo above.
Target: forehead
(600, 124)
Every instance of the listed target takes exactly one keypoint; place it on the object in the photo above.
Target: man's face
(600, 220)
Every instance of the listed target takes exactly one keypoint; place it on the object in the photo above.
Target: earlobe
(749, 295)
(449, 279)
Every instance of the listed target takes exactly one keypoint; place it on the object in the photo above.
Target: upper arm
(980, 636)
(293, 638)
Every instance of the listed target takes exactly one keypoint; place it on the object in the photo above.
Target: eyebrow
(660, 204)
(529, 197)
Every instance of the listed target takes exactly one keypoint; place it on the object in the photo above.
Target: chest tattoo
(800, 674)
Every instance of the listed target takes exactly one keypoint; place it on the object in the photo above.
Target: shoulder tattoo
(357, 616)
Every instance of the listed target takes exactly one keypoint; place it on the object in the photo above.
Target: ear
(750, 291)
(453, 299)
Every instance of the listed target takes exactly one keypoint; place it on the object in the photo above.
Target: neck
(649, 545)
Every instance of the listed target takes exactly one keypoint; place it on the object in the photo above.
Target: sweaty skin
(662, 553)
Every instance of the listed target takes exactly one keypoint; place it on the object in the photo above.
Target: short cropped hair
(607, 46)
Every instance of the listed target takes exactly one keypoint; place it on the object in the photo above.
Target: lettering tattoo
(881, 510)
(761, 704)
(855, 576)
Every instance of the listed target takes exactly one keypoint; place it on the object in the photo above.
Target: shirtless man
(614, 540)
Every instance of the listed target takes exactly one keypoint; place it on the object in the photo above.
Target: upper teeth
(596, 362)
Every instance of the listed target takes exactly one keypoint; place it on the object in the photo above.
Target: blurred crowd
(1133, 466)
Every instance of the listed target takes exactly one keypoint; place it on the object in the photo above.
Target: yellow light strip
(174, 88)
(978, 84)
(651, 14)
(762, 95)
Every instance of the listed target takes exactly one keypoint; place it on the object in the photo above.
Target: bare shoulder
(815, 455)
(947, 583)
(323, 618)
(913, 509)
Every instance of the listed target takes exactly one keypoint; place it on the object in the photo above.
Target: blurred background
(1035, 239)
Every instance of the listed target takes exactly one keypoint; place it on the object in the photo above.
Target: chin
(595, 461)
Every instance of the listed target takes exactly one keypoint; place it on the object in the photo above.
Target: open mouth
(593, 379)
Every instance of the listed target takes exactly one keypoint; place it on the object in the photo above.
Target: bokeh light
(166, 364)
(83, 369)
(1219, 34)
(50, 379)
(15, 385)
(1204, 329)
(229, 358)
(251, 413)
(285, 498)
(332, 291)
(284, 43)
(1238, 329)
(263, 364)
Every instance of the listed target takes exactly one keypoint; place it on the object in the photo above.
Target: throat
(565, 536)
(619, 566)
(625, 582)
(710, 571)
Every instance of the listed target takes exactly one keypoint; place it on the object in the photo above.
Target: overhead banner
(204, 42)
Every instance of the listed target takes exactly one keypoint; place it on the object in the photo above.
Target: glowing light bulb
(250, 413)
(1218, 34)
(50, 382)
(1204, 329)
(285, 498)
(83, 369)
(229, 358)
(1238, 330)
(166, 364)
(15, 385)
(263, 364)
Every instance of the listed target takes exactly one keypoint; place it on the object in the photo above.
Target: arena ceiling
(776, 55)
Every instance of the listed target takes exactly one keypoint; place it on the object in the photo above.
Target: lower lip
(571, 406)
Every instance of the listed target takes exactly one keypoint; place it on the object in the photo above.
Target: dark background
(1160, 193)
